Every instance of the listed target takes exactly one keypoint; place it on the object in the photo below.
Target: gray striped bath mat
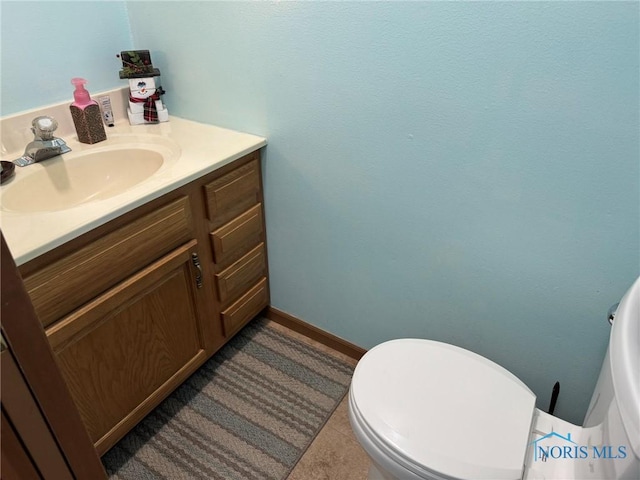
(249, 413)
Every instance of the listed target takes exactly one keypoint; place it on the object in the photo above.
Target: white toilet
(469, 418)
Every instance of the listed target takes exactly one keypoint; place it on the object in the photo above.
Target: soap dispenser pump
(86, 114)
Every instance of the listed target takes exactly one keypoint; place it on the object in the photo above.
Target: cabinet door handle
(196, 263)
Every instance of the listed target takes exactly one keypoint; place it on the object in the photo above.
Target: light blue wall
(45, 44)
(466, 172)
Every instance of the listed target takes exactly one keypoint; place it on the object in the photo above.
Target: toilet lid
(444, 409)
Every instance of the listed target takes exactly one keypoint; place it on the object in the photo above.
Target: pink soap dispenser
(86, 115)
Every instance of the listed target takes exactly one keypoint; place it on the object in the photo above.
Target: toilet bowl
(423, 409)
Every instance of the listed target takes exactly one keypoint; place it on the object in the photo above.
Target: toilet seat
(441, 411)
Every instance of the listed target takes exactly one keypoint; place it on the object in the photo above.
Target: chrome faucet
(44, 144)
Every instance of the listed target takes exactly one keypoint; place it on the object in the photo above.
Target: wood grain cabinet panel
(231, 194)
(232, 240)
(124, 349)
(247, 307)
(64, 285)
(241, 275)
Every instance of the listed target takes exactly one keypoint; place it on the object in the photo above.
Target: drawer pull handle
(196, 263)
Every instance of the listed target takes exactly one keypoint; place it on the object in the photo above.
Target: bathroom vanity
(139, 290)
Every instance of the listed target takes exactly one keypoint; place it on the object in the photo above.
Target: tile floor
(335, 454)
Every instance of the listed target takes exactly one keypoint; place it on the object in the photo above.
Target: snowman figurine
(145, 104)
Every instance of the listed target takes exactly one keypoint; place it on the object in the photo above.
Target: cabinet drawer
(233, 193)
(64, 285)
(239, 235)
(237, 278)
(247, 307)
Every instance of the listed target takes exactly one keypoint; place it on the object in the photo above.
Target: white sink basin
(76, 178)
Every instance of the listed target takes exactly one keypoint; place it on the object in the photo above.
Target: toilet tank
(615, 405)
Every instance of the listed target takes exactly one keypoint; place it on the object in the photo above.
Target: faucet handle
(43, 127)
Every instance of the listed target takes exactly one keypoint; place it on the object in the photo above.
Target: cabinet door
(122, 353)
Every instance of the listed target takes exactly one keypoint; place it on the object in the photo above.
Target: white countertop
(202, 149)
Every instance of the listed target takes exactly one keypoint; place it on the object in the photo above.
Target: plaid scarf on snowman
(150, 111)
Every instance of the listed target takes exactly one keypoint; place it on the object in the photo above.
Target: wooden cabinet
(134, 307)
(70, 281)
(132, 345)
(234, 208)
